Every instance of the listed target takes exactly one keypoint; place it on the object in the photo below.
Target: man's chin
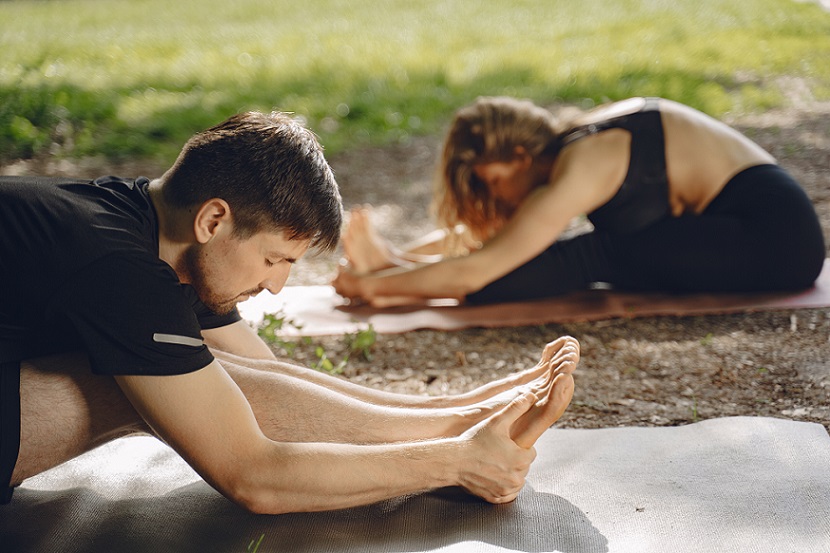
(222, 308)
(225, 309)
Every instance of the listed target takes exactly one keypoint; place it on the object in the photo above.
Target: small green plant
(270, 327)
(360, 342)
(324, 363)
(253, 547)
(707, 340)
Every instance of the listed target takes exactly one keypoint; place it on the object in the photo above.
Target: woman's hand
(347, 283)
(352, 286)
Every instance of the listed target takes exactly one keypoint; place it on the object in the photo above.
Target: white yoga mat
(742, 484)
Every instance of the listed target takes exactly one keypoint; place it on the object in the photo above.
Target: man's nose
(276, 279)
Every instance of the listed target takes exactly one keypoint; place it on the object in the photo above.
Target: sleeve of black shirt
(133, 317)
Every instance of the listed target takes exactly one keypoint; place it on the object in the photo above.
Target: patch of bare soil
(641, 372)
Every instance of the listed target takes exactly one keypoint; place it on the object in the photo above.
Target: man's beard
(197, 270)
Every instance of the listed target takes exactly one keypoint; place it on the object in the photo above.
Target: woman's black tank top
(643, 197)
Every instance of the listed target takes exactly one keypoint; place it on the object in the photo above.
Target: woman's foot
(365, 249)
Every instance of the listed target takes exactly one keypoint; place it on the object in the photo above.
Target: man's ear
(210, 218)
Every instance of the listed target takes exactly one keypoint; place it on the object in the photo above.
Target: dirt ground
(640, 372)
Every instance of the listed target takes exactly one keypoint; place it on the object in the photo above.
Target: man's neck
(174, 233)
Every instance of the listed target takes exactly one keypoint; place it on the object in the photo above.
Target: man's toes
(551, 348)
(560, 346)
(562, 391)
(572, 344)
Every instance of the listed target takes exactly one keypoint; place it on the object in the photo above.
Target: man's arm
(205, 417)
(239, 339)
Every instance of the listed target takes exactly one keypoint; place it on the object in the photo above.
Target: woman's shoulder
(605, 118)
(591, 170)
(613, 110)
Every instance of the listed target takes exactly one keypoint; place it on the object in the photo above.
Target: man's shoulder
(32, 180)
(35, 185)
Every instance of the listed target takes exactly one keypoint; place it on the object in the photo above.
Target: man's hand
(495, 467)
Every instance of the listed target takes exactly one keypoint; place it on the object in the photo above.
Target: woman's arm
(441, 243)
(587, 174)
(528, 233)
(523, 237)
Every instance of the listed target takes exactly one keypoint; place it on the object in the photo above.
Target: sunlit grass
(137, 77)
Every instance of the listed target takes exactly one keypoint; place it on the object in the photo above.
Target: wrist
(454, 461)
(367, 287)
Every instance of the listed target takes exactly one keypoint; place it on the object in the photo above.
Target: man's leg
(66, 411)
(554, 352)
(291, 408)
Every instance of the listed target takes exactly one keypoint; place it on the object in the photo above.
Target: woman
(679, 202)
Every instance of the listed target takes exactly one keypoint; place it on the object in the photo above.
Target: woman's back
(702, 154)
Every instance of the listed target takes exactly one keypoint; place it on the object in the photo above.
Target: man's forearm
(318, 477)
(239, 339)
(484, 460)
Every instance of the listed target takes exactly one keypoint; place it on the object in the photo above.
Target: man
(116, 296)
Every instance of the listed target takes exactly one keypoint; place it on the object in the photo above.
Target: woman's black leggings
(761, 233)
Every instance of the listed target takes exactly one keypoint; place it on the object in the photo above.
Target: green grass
(135, 78)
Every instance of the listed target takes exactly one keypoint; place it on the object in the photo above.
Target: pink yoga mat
(319, 311)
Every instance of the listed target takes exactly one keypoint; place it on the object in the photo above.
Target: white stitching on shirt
(176, 339)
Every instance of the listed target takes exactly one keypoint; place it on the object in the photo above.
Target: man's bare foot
(541, 375)
(365, 249)
(547, 385)
(553, 398)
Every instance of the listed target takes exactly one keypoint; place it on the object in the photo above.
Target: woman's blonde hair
(488, 130)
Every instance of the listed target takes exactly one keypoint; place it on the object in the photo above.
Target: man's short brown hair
(271, 171)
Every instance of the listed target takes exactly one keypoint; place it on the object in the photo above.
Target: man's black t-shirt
(79, 270)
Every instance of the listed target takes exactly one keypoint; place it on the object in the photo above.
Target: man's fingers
(529, 429)
(503, 498)
(516, 408)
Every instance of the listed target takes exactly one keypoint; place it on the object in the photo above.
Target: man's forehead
(278, 243)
